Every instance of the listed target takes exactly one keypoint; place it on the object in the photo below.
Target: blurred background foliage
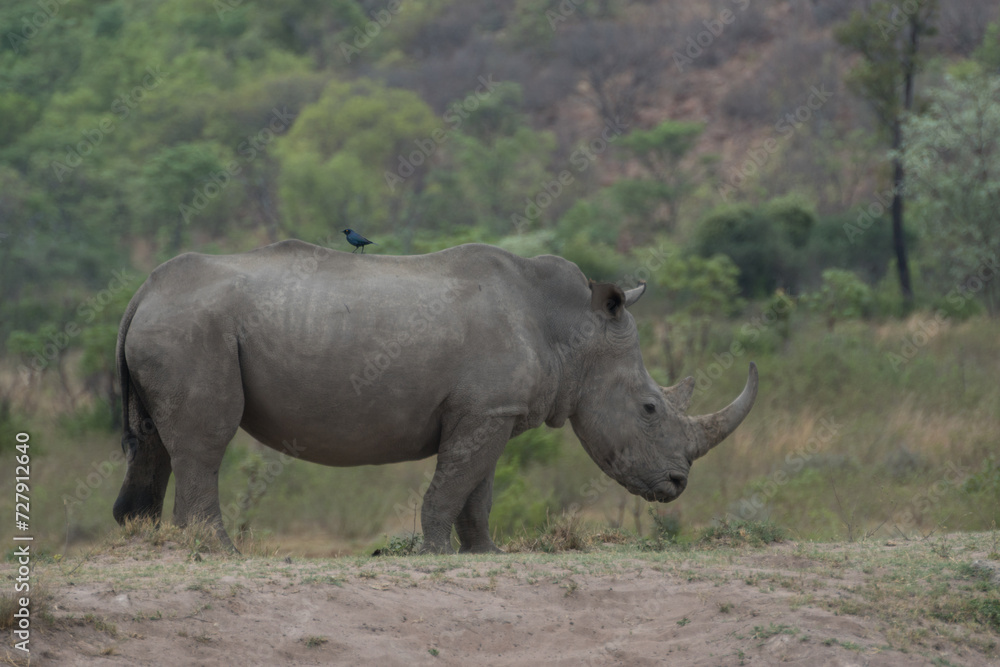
(747, 180)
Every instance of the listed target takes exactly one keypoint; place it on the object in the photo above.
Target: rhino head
(634, 429)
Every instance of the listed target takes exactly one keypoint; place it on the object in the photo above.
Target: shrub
(401, 545)
(755, 243)
(794, 216)
(666, 530)
(699, 285)
(590, 217)
(842, 296)
(834, 242)
(598, 261)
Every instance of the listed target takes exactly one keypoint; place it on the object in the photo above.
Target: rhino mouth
(662, 491)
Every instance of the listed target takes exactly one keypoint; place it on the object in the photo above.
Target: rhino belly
(316, 413)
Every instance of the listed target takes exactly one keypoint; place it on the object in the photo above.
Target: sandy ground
(514, 609)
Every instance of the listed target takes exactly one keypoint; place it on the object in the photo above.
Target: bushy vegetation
(132, 131)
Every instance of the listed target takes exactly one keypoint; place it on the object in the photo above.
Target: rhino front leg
(466, 460)
(472, 524)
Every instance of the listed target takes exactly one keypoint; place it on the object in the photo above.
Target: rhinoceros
(349, 360)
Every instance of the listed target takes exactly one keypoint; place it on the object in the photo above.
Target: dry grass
(565, 533)
(39, 605)
(196, 538)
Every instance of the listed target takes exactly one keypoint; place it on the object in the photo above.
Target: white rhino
(349, 360)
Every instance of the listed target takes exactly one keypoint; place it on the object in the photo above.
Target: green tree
(952, 153)
(888, 39)
(796, 217)
(501, 179)
(660, 151)
(698, 289)
(178, 185)
(700, 286)
(353, 158)
(988, 53)
(493, 170)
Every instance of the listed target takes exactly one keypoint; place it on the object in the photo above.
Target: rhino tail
(149, 466)
(130, 404)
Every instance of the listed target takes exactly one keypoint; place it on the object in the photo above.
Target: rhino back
(357, 359)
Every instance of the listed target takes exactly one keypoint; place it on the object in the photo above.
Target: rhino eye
(649, 408)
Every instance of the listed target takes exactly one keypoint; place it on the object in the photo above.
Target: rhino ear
(680, 394)
(607, 299)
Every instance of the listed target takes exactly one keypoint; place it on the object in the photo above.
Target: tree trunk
(898, 242)
(898, 176)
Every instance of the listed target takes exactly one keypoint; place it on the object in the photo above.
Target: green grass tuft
(401, 545)
(737, 532)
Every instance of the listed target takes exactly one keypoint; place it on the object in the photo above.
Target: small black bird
(357, 240)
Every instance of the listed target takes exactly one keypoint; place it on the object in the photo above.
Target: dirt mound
(791, 603)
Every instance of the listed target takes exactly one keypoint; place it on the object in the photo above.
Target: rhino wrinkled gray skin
(352, 360)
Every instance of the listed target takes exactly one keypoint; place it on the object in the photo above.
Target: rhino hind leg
(197, 405)
(472, 524)
(466, 458)
(197, 439)
(197, 489)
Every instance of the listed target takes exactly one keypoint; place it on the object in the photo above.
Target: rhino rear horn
(680, 394)
(712, 429)
(632, 295)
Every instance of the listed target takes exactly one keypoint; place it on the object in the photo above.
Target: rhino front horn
(712, 429)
